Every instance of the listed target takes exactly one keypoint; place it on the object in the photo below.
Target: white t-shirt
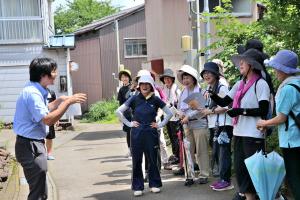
(212, 118)
(246, 125)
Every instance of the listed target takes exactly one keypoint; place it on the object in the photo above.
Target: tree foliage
(79, 13)
(279, 29)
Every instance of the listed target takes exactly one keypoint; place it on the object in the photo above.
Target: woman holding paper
(220, 127)
(196, 123)
(250, 97)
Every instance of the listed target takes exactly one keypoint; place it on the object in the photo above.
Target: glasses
(206, 73)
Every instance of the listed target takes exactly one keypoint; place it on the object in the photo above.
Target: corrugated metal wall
(96, 54)
(88, 78)
(108, 57)
(132, 27)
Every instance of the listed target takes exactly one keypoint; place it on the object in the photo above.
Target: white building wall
(14, 73)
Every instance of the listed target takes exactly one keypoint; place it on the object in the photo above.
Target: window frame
(239, 14)
(144, 41)
(38, 18)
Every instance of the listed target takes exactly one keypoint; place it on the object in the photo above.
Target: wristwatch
(244, 111)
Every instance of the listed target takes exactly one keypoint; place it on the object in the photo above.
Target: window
(20, 21)
(135, 48)
(239, 7)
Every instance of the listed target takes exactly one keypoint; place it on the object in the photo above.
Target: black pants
(244, 147)
(172, 127)
(291, 158)
(31, 154)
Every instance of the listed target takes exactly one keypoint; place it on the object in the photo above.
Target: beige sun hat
(189, 70)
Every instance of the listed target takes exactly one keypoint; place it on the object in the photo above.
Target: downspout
(207, 29)
(118, 48)
(198, 35)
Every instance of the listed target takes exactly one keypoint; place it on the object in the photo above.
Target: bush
(102, 111)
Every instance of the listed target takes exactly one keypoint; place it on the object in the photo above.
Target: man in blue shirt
(287, 100)
(32, 116)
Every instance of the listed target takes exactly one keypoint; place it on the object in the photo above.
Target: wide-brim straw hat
(252, 56)
(167, 73)
(189, 70)
(126, 72)
(285, 61)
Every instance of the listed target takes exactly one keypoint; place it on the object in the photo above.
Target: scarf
(242, 90)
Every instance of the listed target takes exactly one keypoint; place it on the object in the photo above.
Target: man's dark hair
(40, 67)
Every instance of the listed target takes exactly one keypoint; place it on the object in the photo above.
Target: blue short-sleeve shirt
(287, 100)
(31, 108)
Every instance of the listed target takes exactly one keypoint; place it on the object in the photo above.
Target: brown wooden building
(102, 46)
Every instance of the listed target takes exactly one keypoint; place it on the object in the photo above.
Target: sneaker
(138, 193)
(173, 160)
(188, 182)
(167, 166)
(202, 180)
(238, 196)
(179, 172)
(50, 157)
(155, 190)
(223, 185)
(214, 184)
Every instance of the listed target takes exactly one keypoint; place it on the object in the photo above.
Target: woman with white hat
(123, 95)
(144, 133)
(287, 100)
(172, 92)
(196, 130)
(163, 157)
(250, 97)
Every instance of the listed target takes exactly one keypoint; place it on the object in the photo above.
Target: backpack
(296, 118)
(270, 110)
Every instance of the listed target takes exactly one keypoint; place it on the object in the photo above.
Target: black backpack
(271, 109)
(296, 118)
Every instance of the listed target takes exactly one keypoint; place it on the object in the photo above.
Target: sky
(124, 3)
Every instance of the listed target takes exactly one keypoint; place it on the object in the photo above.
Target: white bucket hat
(142, 72)
(146, 79)
(189, 70)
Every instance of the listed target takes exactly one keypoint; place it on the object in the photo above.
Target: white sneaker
(155, 190)
(138, 193)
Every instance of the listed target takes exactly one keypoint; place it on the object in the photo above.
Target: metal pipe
(118, 49)
(118, 43)
(198, 34)
(207, 29)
